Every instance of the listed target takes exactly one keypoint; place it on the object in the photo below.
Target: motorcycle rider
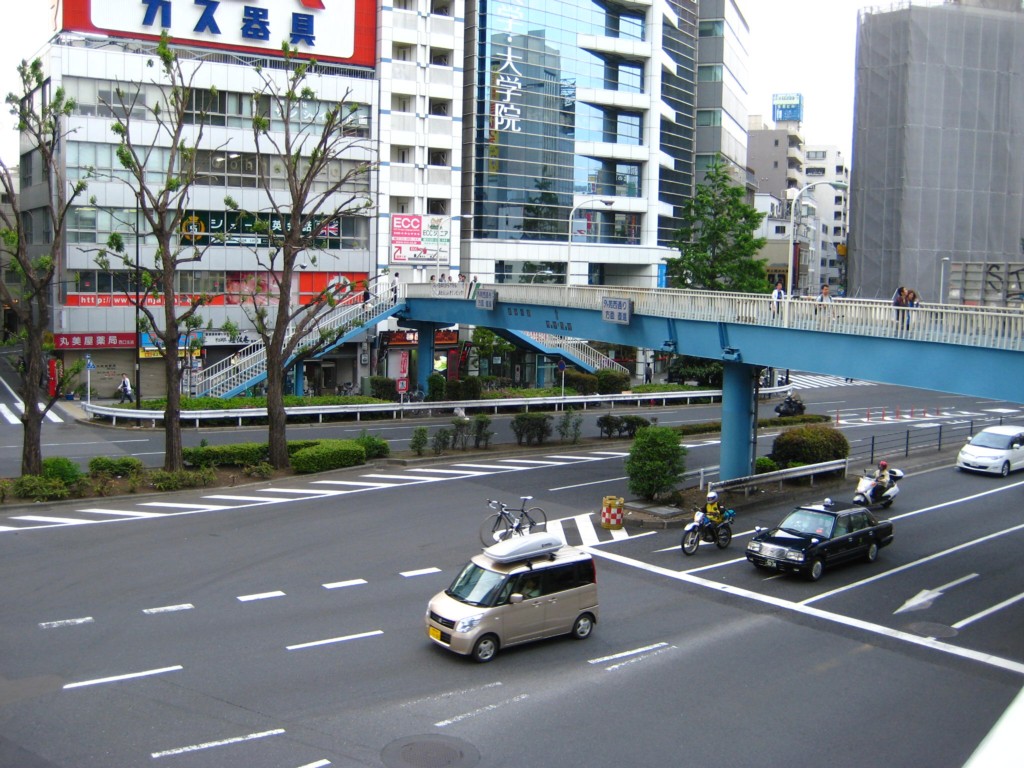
(882, 479)
(712, 510)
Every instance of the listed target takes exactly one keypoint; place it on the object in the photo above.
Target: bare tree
(326, 163)
(41, 120)
(164, 141)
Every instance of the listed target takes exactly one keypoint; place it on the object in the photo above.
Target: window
(438, 157)
(710, 73)
(780, 229)
(402, 52)
(439, 57)
(437, 207)
(709, 117)
(441, 7)
(837, 200)
(402, 155)
(711, 28)
(401, 103)
(440, 107)
(404, 5)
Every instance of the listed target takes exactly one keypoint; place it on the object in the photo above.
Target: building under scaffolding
(938, 152)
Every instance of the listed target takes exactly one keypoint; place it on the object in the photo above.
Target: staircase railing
(579, 348)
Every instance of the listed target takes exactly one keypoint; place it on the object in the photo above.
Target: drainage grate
(430, 751)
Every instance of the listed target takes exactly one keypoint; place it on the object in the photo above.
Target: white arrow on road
(926, 597)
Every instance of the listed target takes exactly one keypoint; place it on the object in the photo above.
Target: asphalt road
(282, 625)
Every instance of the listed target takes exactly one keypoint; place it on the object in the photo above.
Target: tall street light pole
(572, 216)
(792, 239)
(138, 333)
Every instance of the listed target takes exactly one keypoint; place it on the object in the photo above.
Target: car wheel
(1005, 469)
(872, 553)
(582, 627)
(485, 649)
(817, 568)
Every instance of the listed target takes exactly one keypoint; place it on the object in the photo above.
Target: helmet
(712, 496)
(883, 464)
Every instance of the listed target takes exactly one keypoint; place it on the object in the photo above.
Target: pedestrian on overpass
(776, 303)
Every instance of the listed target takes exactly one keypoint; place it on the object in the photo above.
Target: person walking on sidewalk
(126, 389)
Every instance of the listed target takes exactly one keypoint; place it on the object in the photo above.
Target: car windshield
(476, 585)
(808, 522)
(991, 440)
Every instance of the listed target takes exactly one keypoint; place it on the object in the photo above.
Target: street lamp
(568, 251)
(792, 238)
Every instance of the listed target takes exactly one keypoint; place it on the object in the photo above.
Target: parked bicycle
(507, 522)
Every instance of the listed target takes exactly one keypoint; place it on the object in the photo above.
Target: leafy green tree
(32, 242)
(717, 246)
(656, 462)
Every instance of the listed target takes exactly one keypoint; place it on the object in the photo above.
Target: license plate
(769, 563)
(435, 634)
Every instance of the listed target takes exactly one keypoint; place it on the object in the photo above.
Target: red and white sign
(328, 30)
(64, 341)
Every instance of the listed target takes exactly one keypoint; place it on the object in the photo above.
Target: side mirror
(515, 598)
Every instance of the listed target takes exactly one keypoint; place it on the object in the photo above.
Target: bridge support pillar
(424, 350)
(739, 420)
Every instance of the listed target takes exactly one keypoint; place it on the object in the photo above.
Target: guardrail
(745, 484)
(400, 410)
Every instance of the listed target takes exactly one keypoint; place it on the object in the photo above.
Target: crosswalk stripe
(536, 462)
(355, 483)
(173, 505)
(224, 497)
(120, 512)
(43, 519)
(815, 381)
(9, 415)
(50, 415)
(585, 525)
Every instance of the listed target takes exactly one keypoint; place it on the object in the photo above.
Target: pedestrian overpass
(964, 350)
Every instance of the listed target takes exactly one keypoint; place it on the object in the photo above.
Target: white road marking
(355, 483)
(988, 611)
(256, 499)
(625, 654)
(175, 505)
(65, 623)
(342, 584)
(481, 711)
(455, 472)
(118, 678)
(312, 492)
(169, 609)
(807, 610)
(260, 596)
(9, 415)
(221, 743)
(332, 640)
(56, 520)
(420, 572)
(120, 512)
(317, 764)
(535, 462)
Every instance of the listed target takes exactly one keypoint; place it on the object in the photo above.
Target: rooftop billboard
(341, 31)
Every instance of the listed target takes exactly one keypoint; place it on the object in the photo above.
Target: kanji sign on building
(330, 30)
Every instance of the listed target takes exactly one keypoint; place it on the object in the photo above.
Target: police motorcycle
(702, 529)
(791, 406)
(870, 492)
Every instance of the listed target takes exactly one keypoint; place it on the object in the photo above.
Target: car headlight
(754, 546)
(468, 623)
(796, 557)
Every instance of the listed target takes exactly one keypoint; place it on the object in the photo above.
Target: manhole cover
(430, 751)
(930, 629)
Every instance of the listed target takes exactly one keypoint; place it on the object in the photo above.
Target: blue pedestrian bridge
(977, 351)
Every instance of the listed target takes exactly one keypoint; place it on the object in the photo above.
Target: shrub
(186, 478)
(763, 464)
(383, 388)
(482, 433)
(809, 444)
(461, 428)
(39, 488)
(375, 447)
(436, 388)
(263, 470)
(328, 454)
(114, 466)
(570, 426)
(441, 441)
(236, 455)
(609, 424)
(63, 469)
(531, 427)
(471, 388)
(610, 382)
(583, 383)
(455, 390)
(419, 441)
(631, 424)
(656, 462)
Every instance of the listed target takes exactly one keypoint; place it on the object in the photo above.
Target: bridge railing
(993, 327)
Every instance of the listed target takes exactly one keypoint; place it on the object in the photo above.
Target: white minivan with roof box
(525, 588)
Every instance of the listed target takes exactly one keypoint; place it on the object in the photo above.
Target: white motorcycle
(869, 493)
